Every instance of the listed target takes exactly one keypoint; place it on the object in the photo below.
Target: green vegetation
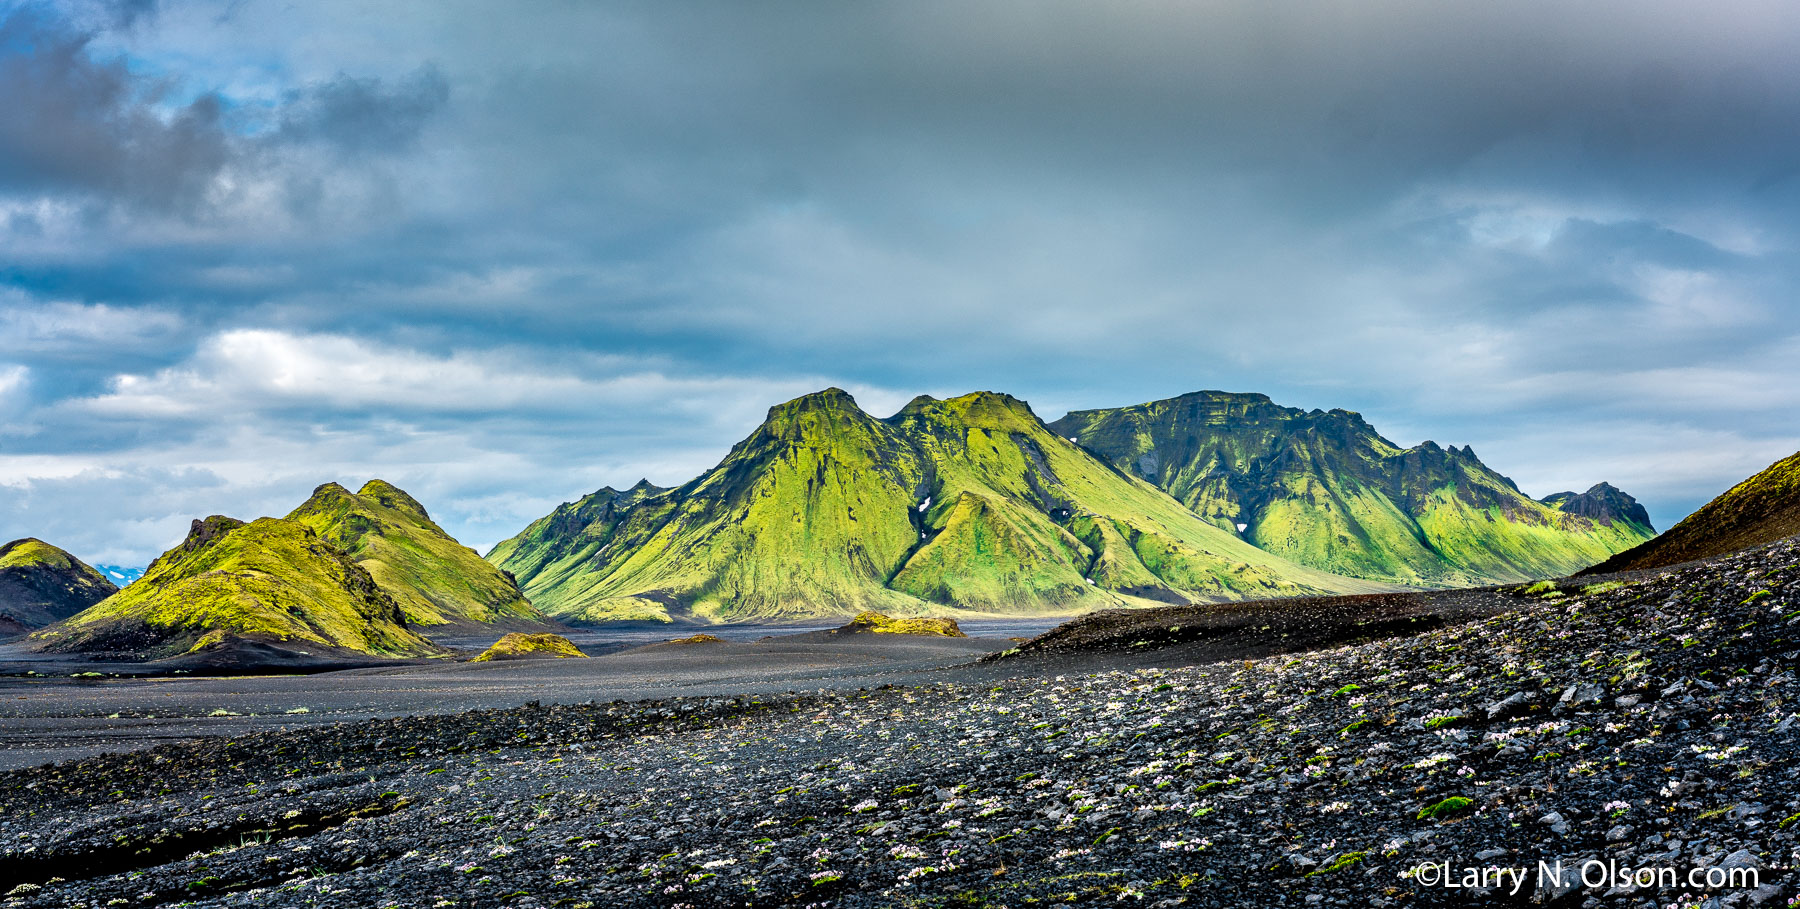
(1447, 808)
(1346, 860)
(519, 646)
(965, 505)
(436, 580)
(40, 584)
(696, 639)
(1760, 510)
(1323, 489)
(877, 623)
(270, 580)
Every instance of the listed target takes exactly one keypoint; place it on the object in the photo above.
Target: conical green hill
(1760, 510)
(809, 515)
(1324, 489)
(40, 584)
(270, 580)
(436, 580)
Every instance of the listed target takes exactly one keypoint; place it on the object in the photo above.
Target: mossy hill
(1324, 489)
(271, 580)
(40, 584)
(436, 580)
(969, 504)
(519, 646)
(1760, 510)
(876, 623)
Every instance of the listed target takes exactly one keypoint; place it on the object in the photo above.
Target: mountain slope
(1760, 510)
(970, 504)
(436, 580)
(270, 580)
(40, 584)
(1324, 489)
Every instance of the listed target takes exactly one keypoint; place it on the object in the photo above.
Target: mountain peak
(1603, 502)
(393, 497)
(41, 583)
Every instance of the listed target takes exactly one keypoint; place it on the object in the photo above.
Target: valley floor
(1651, 724)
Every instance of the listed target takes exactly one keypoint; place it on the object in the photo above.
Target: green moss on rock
(876, 623)
(520, 646)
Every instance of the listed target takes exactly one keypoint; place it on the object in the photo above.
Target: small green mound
(1447, 808)
(519, 646)
(881, 624)
(697, 639)
(1340, 863)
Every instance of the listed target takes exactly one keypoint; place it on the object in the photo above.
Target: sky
(503, 254)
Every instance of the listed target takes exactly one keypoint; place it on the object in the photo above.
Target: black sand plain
(1306, 753)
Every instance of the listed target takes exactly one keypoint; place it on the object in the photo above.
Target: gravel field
(1647, 723)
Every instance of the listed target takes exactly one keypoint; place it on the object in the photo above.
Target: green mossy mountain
(1760, 510)
(436, 580)
(970, 504)
(40, 584)
(1324, 489)
(272, 580)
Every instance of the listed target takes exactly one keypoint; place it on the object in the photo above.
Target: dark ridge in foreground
(1758, 511)
(1649, 723)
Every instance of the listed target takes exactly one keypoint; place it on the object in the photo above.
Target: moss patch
(519, 646)
(881, 624)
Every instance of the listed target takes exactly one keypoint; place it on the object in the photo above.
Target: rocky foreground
(1649, 723)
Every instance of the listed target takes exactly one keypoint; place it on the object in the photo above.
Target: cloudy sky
(503, 254)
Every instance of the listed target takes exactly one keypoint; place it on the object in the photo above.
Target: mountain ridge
(969, 503)
(1325, 489)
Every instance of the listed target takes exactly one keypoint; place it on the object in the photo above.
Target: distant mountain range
(1324, 489)
(974, 504)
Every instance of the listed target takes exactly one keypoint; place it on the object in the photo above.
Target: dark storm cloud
(74, 123)
(515, 251)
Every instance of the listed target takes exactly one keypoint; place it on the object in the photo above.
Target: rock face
(1324, 489)
(517, 646)
(1760, 510)
(271, 580)
(40, 584)
(436, 580)
(1604, 502)
(968, 504)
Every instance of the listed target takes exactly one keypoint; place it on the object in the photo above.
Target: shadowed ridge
(1759, 510)
(40, 584)
(1603, 502)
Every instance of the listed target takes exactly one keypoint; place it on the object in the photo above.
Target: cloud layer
(507, 253)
